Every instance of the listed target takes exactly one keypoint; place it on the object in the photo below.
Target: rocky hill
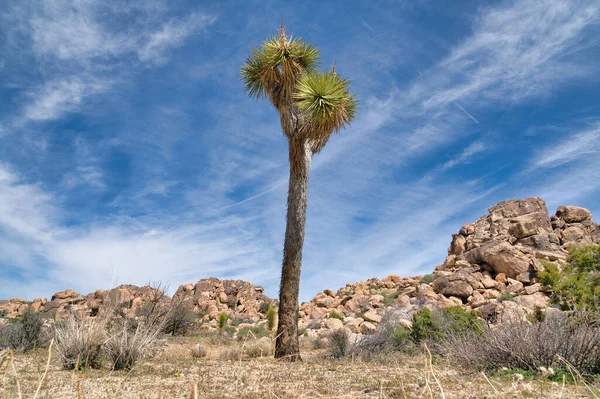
(491, 267)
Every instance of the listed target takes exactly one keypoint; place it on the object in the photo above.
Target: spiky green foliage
(326, 100)
(283, 69)
(273, 69)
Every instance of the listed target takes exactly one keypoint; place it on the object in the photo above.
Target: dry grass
(173, 373)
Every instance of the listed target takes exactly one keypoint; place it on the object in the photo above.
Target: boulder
(372, 316)
(367, 328)
(333, 324)
(572, 214)
(504, 258)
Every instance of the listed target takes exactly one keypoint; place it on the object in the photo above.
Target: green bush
(438, 324)
(506, 296)
(223, 317)
(24, 333)
(271, 315)
(428, 278)
(335, 315)
(257, 331)
(389, 299)
(577, 285)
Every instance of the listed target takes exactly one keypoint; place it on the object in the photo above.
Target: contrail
(251, 198)
(466, 113)
(367, 25)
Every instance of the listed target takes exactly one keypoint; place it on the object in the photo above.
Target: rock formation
(491, 267)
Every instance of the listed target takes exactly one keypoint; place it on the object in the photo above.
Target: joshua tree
(311, 105)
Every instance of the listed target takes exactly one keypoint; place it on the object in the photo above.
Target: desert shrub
(260, 348)
(339, 343)
(271, 315)
(256, 331)
(319, 343)
(264, 307)
(506, 296)
(2, 313)
(198, 351)
(230, 354)
(179, 320)
(24, 333)
(577, 284)
(389, 338)
(435, 325)
(428, 278)
(230, 330)
(389, 299)
(127, 346)
(236, 321)
(335, 315)
(516, 343)
(223, 317)
(79, 342)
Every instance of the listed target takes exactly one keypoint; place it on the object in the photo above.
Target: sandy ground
(171, 372)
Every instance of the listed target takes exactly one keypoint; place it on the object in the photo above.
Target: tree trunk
(286, 345)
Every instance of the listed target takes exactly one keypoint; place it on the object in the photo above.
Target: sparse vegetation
(256, 331)
(560, 341)
(198, 351)
(335, 315)
(223, 317)
(436, 325)
(24, 333)
(79, 342)
(271, 316)
(577, 284)
(179, 320)
(428, 278)
(339, 343)
(127, 345)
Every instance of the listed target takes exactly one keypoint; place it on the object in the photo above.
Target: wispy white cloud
(574, 147)
(58, 97)
(172, 35)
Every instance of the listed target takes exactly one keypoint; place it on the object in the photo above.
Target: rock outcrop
(502, 252)
(236, 298)
(492, 267)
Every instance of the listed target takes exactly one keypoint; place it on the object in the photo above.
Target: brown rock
(504, 258)
(572, 214)
(367, 328)
(371, 316)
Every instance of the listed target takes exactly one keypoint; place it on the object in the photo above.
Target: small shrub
(271, 315)
(319, 343)
(339, 343)
(428, 278)
(179, 320)
(436, 325)
(516, 343)
(223, 320)
(2, 313)
(577, 285)
(230, 354)
(260, 348)
(240, 319)
(79, 342)
(389, 299)
(198, 351)
(335, 315)
(229, 330)
(257, 331)
(345, 293)
(264, 307)
(506, 296)
(126, 346)
(24, 333)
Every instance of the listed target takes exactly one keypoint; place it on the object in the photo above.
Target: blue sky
(129, 152)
